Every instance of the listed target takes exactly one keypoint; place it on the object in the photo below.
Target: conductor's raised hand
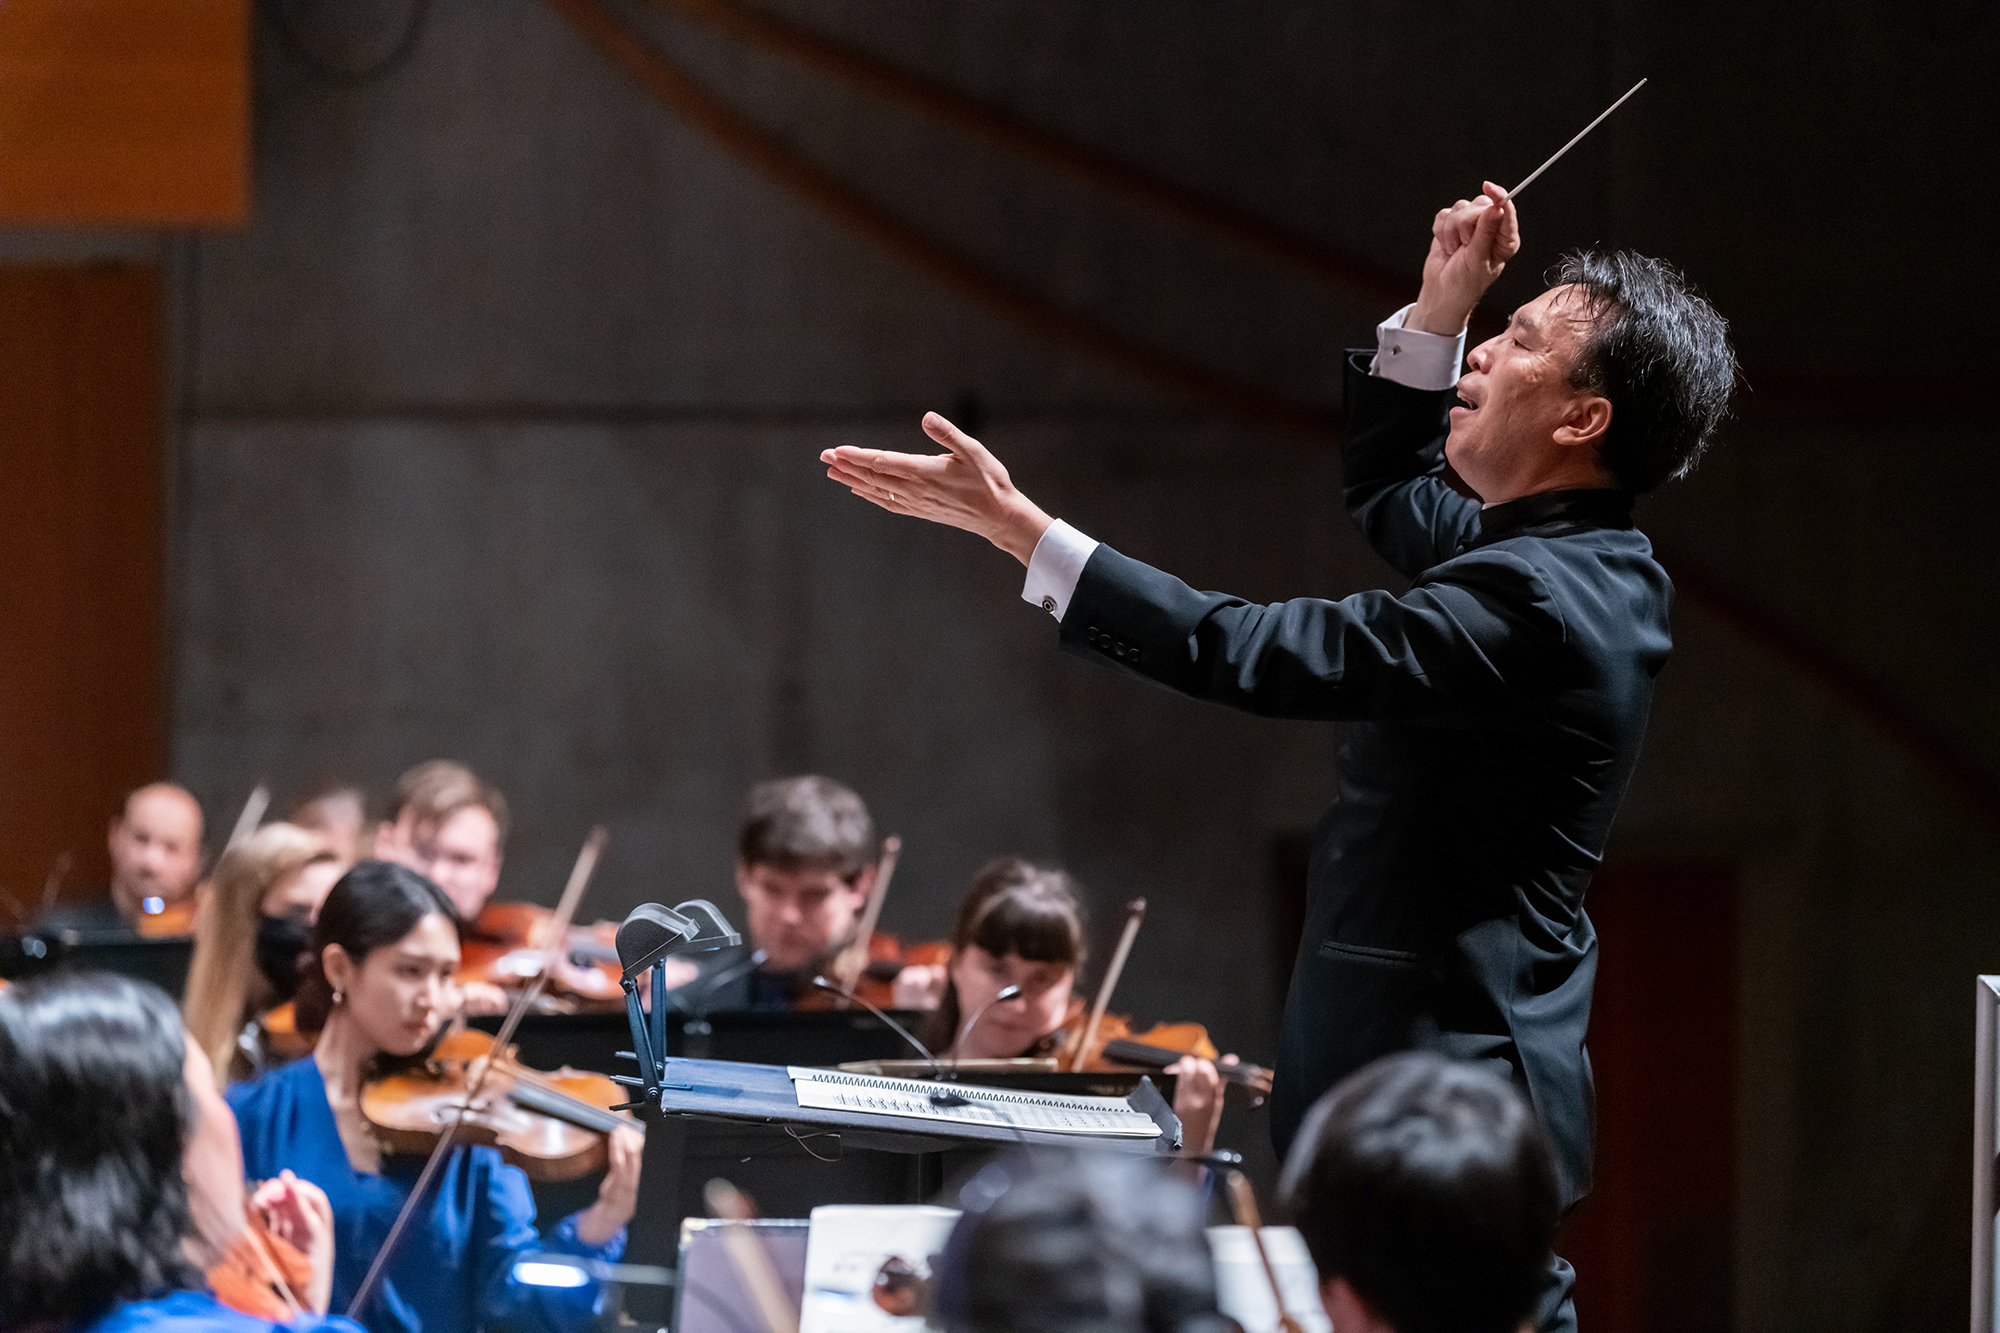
(1471, 243)
(964, 487)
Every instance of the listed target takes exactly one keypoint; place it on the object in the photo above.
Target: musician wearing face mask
(378, 984)
(1022, 926)
(251, 932)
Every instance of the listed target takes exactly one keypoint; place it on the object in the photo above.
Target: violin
(282, 1040)
(885, 960)
(171, 920)
(554, 1127)
(506, 945)
(551, 1125)
(1107, 1041)
(867, 968)
(1118, 1046)
(262, 1274)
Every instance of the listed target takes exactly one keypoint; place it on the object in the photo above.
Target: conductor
(1501, 700)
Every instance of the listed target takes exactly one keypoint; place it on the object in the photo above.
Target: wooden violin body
(261, 1274)
(876, 983)
(506, 945)
(283, 1042)
(552, 1126)
(170, 921)
(1117, 1045)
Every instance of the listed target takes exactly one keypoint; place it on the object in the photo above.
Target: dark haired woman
(119, 1173)
(378, 984)
(1022, 925)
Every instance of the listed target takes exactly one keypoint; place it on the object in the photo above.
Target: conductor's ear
(1588, 419)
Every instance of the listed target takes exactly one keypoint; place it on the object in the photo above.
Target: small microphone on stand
(1004, 994)
(894, 1026)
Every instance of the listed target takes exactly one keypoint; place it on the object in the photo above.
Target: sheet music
(1243, 1291)
(1044, 1112)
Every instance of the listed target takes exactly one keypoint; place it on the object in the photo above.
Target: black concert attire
(1498, 705)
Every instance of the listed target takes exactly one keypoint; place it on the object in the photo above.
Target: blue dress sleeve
(505, 1233)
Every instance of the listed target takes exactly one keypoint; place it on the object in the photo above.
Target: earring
(339, 998)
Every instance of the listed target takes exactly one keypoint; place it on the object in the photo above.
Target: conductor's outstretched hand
(1471, 243)
(964, 487)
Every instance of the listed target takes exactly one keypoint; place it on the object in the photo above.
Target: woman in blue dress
(119, 1175)
(377, 986)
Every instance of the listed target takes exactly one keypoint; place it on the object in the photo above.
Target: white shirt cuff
(1055, 567)
(1420, 360)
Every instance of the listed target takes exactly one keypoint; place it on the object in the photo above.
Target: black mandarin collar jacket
(1500, 703)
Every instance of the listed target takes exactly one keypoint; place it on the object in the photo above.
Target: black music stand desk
(763, 1094)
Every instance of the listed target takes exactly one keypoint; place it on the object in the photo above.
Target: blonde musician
(251, 929)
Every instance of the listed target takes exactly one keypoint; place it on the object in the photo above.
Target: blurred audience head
(155, 846)
(1425, 1192)
(806, 861)
(449, 825)
(338, 812)
(119, 1162)
(1061, 1242)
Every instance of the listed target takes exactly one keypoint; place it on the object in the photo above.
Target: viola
(506, 945)
(262, 1274)
(551, 1125)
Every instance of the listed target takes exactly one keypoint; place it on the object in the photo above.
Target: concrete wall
(497, 440)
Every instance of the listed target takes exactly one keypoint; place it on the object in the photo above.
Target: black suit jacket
(1501, 703)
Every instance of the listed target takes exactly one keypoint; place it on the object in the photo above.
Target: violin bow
(1135, 913)
(58, 872)
(752, 1260)
(272, 1273)
(579, 879)
(848, 966)
(1243, 1200)
(252, 816)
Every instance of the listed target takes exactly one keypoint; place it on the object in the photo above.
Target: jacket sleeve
(1393, 471)
(1475, 644)
(505, 1234)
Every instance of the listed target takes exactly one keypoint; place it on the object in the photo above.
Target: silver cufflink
(1049, 605)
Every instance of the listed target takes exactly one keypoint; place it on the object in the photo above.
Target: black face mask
(281, 947)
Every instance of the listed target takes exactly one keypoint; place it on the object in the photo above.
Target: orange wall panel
(124, 112)
(82, 698)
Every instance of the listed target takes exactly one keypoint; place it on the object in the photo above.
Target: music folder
(909, 1116)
